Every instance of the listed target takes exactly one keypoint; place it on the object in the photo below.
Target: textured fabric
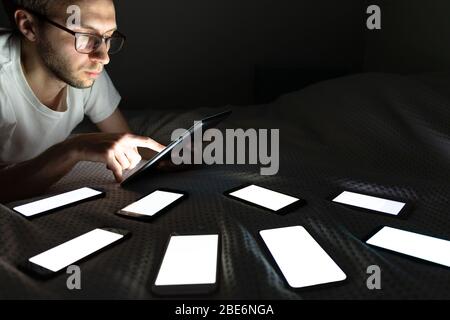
(380, 134)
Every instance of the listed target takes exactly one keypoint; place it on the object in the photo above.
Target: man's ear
(26, 24)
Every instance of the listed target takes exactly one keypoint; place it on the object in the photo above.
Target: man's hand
(119, 151)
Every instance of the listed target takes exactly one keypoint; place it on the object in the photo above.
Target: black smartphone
(189, 266)
(57, 202)
(56, 259)
(153, 204)
(372, 204)
(264, 198)
(420, 247)
(300, 258)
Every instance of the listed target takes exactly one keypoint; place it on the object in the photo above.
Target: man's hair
(40, 6)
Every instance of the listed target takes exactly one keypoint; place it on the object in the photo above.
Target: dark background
(216, 52)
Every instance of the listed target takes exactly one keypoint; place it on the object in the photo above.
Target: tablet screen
(204, 123)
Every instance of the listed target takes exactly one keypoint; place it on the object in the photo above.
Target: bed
(381, 134)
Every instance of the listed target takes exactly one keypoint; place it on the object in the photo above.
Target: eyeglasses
(87, 42)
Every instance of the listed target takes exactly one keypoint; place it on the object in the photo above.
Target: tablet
(204, 124)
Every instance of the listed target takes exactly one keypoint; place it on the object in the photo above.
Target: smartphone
(189, 266)
(301, 260)
(155, 203)
(265, 198)
(57, 202)
(54, 260)
(412, 244)
(370, 203)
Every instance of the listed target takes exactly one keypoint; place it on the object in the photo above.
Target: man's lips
(94, 74)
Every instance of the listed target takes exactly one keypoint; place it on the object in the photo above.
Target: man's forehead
(95, 15)
(99, 23)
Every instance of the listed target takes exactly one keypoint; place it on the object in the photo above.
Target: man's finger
(123, 160)
(133, 157)
(145, 142)
(115, 167)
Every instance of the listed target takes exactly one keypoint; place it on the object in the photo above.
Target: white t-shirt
(27, 127)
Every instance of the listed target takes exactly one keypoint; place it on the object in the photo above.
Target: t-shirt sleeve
(7, 123)
(102, 100)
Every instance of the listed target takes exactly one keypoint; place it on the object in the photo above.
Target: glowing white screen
(71, 251)
(264, 197)
(413, 244)
(369, 202)
(153, 203)
(300, 258)
(40, 206)
(189, 260)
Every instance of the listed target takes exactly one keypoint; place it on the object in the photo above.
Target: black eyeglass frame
(116, 33)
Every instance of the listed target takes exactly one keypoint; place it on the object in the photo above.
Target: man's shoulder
(5, 47)
(6, 53)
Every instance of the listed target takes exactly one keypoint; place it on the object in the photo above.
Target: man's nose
(101, 54)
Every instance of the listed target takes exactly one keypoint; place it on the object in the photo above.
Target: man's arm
(33, 177)
(116, 147)
(115, 123)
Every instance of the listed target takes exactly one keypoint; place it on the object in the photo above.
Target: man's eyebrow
(94, 29)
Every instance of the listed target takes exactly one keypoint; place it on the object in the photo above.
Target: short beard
(59, 66)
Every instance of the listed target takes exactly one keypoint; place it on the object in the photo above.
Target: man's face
(57, 47)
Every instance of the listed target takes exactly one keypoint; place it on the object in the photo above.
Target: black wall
(208, 52)
(205, 52)
(3, 18)
(415, 37)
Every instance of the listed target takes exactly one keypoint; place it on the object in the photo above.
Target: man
(51, 75)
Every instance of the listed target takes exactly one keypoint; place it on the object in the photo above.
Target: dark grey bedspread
(386, 135)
